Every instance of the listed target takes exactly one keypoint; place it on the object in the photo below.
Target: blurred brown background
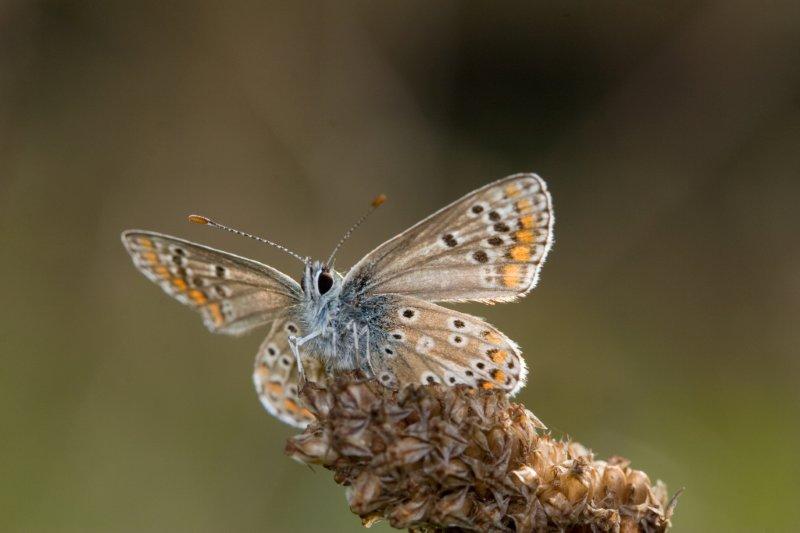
(665, 327)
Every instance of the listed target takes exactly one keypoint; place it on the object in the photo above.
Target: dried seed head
(431, 457)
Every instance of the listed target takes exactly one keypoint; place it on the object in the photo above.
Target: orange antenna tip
(197, 219)
(376, 203)
(205, 221)
(379, 200)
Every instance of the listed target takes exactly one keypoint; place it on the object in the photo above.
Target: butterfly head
(320, 282)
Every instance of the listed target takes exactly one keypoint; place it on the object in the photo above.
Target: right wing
(276, 378)
(234, 294)
(488, 246)
(427, 343)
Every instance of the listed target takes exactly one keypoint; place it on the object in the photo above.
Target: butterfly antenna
(376, 203)
(199, 219)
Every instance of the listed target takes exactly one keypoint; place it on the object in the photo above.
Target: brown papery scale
(437, 458)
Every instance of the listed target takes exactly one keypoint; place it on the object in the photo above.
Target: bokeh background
(665, 327)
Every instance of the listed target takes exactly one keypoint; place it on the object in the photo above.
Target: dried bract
(431, 457)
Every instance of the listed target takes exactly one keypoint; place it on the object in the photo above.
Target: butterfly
(383, 316)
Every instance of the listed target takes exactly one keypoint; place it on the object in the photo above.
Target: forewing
(488, 246)
(233, 294)
(431, 344)
(276, 378)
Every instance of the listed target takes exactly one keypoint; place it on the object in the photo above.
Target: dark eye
(324, 282)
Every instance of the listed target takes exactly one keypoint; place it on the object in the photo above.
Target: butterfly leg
(355, 344)
(334, 338)
(295, 343)
(296, 351)
(365, 332)
(326, 329)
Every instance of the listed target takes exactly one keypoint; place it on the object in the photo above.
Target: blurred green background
(665, 326)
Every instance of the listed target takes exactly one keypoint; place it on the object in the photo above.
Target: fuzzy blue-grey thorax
(349, 325)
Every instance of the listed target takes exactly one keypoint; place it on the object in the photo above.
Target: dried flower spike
(430, 458)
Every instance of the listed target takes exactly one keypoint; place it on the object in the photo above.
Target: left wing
(488, 246)
(234, 294)
(276, 378)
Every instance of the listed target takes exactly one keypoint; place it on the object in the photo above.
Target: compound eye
(324, 282)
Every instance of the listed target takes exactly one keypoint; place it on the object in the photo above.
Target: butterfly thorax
(348, 325)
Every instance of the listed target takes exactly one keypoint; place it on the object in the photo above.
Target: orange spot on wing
(499, 357)
(526, 221)
(305, 413)
(198, 297)
(524, 204)
(512, 190)
(492, 337)
(524, 236)
(499, 375)
(150, 257)
(291, 405)
(262, 372)
(144, 242)
(216, 314)
(179, 284)
(511, 275)
(274, 388)
(486, 385)
(520, 253)
(162, 271)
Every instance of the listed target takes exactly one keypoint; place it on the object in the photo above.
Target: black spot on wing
(480, 256)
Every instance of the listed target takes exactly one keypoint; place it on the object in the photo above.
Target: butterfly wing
(427, 343)
(234, 294)
(276, 378)
(488, 246)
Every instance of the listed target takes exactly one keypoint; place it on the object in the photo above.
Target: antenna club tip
(198, 219)
(379, 200)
